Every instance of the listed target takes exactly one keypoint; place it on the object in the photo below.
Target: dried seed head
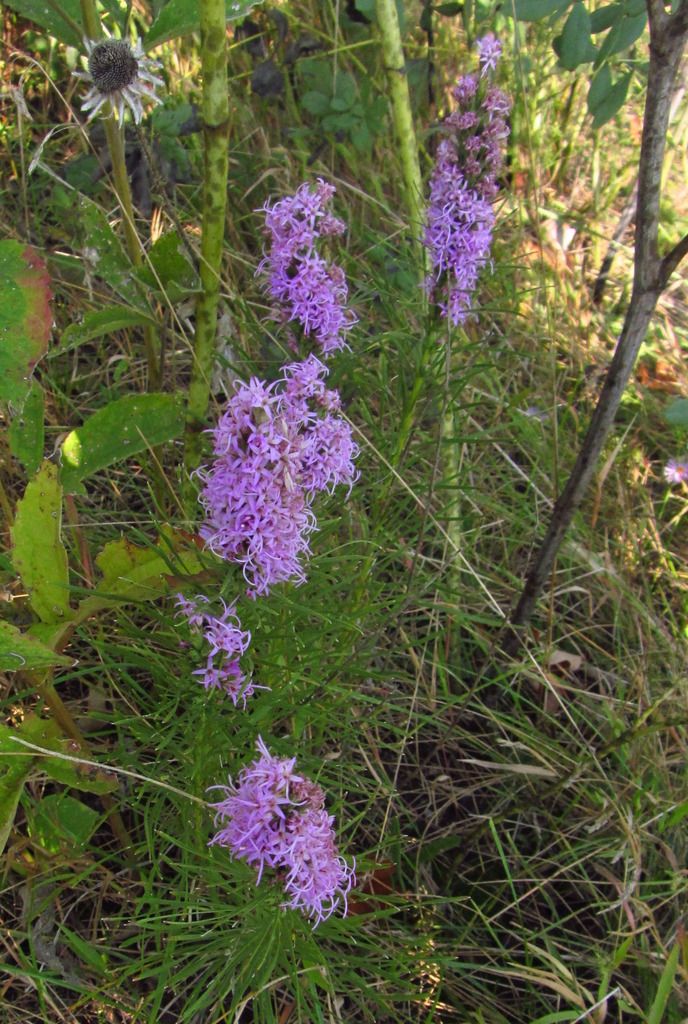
(112, 65)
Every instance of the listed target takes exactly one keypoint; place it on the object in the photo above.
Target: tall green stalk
(399, 96)
(215, 111)
(395, 66)
(115, 142)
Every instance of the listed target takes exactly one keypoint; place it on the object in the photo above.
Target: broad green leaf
(46, 733)
(169, 270)
(622, 35)
(535, 10)
(138, 573)
(15, 766)
(611, 102)
(83, 777)
(98, 322)
(599, 87)
(21, 651)
(104, 254)
(61, 823)
(123, 428)
(315, 102)
(345, 92)
(676, 412)
(25, 317)
(604, 17)
(574, 44)
(366, 7)
(180, 17)
(38, 553)
(26, 434)
(63, 20)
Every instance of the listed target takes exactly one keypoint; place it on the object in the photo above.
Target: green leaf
(575, 44)
(604, 17)
(51, 18)
(123, 428)
(104, 254)
(139, 573)
(665, 986)
(21, 651)
(340, 122)
(362, 138)
(26, 433)
(345, 92)
(315, 102)
(83, 777)
(611, 101)
(98, 322)
(38, 553)
(168, 270)
(26, 318)
(83, 949)
(677, 413)
(14, 769)
(622, 35)
(449, 10)
(180, 17)
(61, 823)
(46, 733)
(366, 7)
(536, 10)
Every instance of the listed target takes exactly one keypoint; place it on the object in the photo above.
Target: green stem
(215, 111)
(115, 141)
(397, 81)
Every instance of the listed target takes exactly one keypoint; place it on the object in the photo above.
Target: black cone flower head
(120, 75)
(112, 65)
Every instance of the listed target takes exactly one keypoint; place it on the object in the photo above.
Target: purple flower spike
(274, 818)
(227, 642)
(310, 290)
(676, 471)
(276, 447)
(489, 51)
(460, 219)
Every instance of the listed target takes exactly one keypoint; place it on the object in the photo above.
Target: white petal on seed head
(134, 66)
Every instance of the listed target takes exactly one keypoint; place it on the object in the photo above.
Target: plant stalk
(668, 35)
(397, 83)
(215, 113)
(115, 142)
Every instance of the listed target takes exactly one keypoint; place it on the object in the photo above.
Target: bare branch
(672, 260)
(666, 48)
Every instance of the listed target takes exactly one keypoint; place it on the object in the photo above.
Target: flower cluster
(227, 642)
(276, 446)
(274, 818)
(676, 471)
(460, 218)
(311, 290)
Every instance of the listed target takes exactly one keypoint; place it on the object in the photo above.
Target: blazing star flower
(460, 219)
(227, 642)
(276, 446)
(489, 51)
(119, 75)
(311, 291)
(274, 818)
(676, 471)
